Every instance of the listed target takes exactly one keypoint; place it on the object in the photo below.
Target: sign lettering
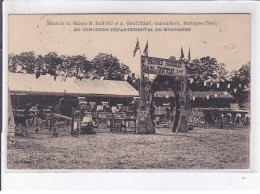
(160, 66)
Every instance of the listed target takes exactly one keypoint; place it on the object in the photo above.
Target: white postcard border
(137, 179)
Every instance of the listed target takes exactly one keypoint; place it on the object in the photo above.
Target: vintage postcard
(129, 91)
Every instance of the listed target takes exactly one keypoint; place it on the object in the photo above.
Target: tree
(75, 66)
(40, 65)
(103, 65)
(244, 74)
(241, 76)
(239, 80)
(12, 62)
(52, 62)
(108, 66)
(87, 68)
(79, 66)
(22, 63)
(206, 71)
(134, 81)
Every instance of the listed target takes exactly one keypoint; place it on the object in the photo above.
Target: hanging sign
(159, 66)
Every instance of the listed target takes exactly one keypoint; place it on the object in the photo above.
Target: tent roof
(197, 94)
(45, 84)
(204, 94)
(246, 90)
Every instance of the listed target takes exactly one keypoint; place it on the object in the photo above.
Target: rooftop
(197, 94)
(20, 83)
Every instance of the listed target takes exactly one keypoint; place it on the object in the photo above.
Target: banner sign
(159, 66)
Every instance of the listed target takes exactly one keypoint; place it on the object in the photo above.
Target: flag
(137, 47)
(182, 55)
(146, 49)
(189, 55)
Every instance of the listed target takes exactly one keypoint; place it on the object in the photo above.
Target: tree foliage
(206, 72)
(240, 80)
(23, 63)
(108, 66)
(103, 66)
(241, 76)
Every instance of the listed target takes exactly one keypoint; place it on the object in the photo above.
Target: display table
(120, 123)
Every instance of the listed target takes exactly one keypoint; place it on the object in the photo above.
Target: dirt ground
(197, 149)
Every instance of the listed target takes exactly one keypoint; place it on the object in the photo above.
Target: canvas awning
(212, 94)
(20, 83)
(197, 94)
(246, 90)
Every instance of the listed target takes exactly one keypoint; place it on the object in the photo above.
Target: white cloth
(99, 107)
(87, 119)
(75, 125)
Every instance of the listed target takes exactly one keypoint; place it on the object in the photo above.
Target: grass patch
(197, 149)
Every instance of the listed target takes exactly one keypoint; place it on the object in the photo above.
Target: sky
(227, 38)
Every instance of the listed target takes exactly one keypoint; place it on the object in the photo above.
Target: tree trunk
(144, 120)
(177, 111)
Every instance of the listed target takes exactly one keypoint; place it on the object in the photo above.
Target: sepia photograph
(129, 91)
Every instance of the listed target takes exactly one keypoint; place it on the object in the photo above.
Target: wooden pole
(141, 82)
(144, 117)
(140, 108)
(182, 125)
(72, 122)
(79, 123)
(11, 122)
